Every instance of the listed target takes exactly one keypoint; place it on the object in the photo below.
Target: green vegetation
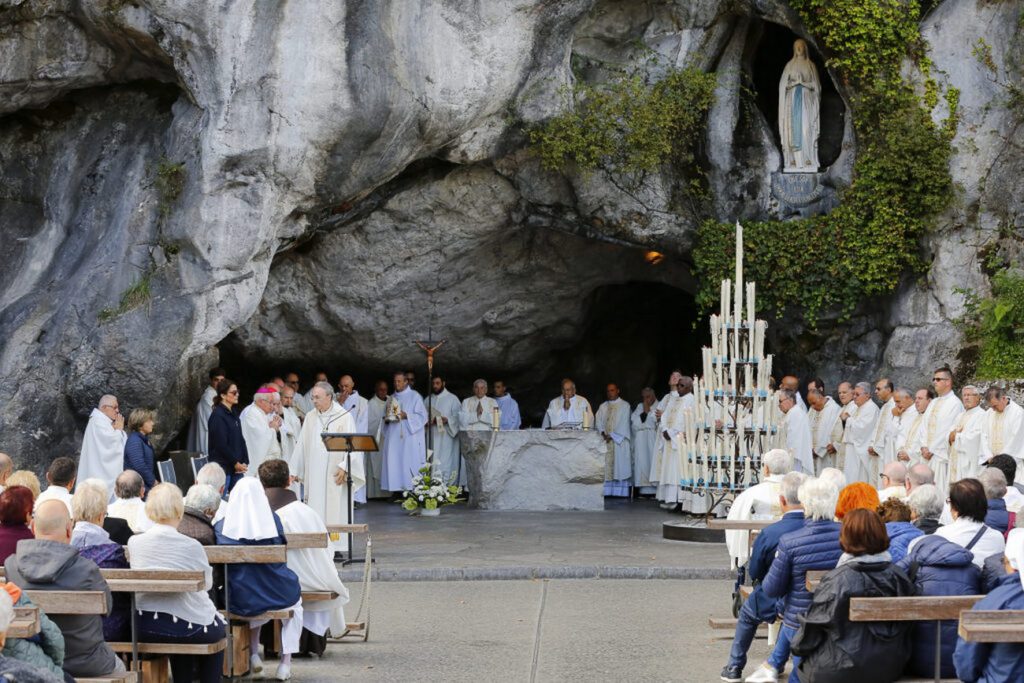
(628, 127)
(138, 294)
(829, 264)
(170, 182)
(996, 325)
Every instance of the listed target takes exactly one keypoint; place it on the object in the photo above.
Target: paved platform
(536, 631)
(623, 541)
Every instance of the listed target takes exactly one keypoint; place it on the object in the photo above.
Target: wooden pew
(992, 626)
(25, 624)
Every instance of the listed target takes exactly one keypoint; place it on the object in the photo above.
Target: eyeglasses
(233, 392)
(884, 476)
(940, 379)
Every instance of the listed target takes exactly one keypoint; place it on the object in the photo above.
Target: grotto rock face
(324, 181)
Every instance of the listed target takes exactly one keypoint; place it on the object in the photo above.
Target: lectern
(349, 444)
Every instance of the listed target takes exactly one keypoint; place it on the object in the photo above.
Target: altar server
(612, 423)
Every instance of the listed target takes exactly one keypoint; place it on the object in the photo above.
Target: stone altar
(535, 469)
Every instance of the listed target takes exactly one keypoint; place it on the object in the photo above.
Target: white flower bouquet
(430, 492)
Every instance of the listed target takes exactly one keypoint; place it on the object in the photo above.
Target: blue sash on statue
(797, 117)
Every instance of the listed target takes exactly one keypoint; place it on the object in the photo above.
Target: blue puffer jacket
(816, 546)
(993, 662)
(938, 567)
(997, 517)
(900, 536)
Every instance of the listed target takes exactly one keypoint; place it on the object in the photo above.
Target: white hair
(994, 482)
(866, 386)
(778, 461)
(89, 503)
(106, 400)
(819, 498)
(213, 475)
(791, 487)
(325, 387)
(925, 501)
(165, 504)
(834, 477)
(478, 382)
(202, 497)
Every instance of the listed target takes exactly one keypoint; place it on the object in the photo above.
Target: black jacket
(118, 529)
(226, 444)
(837, 650)
(927, 524)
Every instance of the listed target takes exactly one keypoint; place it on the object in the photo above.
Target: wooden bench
(25, 624)
(992, 626)
(125, 677)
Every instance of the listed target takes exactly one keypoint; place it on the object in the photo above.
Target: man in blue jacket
(759, 608)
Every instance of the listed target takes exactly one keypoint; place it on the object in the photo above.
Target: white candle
(746, 462)
(726, 291)
(496, 418)
(748, 380)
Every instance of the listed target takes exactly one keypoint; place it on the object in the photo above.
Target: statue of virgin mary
(799, 106)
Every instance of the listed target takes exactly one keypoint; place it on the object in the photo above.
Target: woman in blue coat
(225, 441)
(997, 662)
(138, 454)
(257, 588)
(896, 515)
(938, 566)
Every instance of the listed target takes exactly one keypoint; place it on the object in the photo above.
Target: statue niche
(799, 112)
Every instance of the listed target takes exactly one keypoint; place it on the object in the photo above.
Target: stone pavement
(622, 542)
(535, 631)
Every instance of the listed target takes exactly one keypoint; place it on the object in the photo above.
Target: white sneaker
(284, 672)
(255, 666)
(765, 673)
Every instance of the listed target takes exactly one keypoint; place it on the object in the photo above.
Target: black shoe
(339, 557)
(732, 674)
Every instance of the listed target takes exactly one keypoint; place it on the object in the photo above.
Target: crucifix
(430, 346)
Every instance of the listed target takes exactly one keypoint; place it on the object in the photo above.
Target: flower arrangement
(430, 492)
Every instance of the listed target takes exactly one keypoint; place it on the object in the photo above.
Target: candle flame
(653, 258)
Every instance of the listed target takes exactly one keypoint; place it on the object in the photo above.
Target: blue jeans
(780, 654)
(159, 627)
(746, 628)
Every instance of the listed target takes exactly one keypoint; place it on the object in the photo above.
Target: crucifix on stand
(430, 346)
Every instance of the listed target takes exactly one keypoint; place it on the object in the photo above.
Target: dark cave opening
(634, 334)
(771, 51)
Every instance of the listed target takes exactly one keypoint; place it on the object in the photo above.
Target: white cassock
(880, 440)
(447, 460)
(260, 438)
(757, 502)
(798, 439)
(963, 459)
(316, 467)
(359, 408)
(305, 402)
(375, 426)
(290, 429)
(473, 420)
(1004, 433)
(102, 450)
(645, 441)
(911, 435)
(846, 413)
(823, 423)
(860, 430)
(558, 414)
(613, 419)
(404, 441)
(199, 429)
(673, 421)
(316, 571)
(940, 418)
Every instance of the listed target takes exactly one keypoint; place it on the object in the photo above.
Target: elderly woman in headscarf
(257, 588)
(997, 661)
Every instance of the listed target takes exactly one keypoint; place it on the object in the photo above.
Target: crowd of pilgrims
(60, 537)
(907, 537)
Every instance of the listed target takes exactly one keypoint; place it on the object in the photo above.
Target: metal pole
(230, 633)
(938, 651)
(348, 496)
(135, 637)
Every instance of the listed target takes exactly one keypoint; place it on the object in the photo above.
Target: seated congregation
(65, 537)
(835, 542)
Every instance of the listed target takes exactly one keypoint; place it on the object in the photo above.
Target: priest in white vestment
(103, 445)
(1003, 431)
(659, 414)
(291, 426)
(508, 406)
(797, 431)
(940, 418)
(668, 458)
(326, 481)
(965, 439)
(878, 451)
(759, 502)
(359, 408)
(860, 430)
(375, 426)
(903, 416)
(314, 566)
(405, 420)
(847, 409)
(444, 408)
(306, 400)
(568, 410)
(260, 426)
(198, 430)
(479, 412)
(822, 419)
(612, 423)
(644, 432)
